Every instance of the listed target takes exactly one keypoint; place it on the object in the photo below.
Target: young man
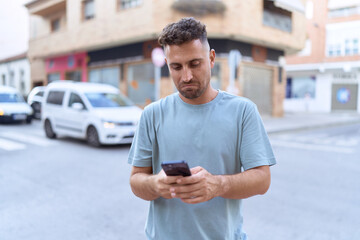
(217, 133)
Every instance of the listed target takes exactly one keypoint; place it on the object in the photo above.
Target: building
(112, 41)
(15, 72)
(325, 75)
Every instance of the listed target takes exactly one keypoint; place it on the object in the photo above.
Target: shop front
(68, 67)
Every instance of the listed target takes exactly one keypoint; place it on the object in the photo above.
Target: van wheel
(92, 137)
(49, 130)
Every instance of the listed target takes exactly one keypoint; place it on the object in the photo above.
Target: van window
(55, 97)
(74, 98)
(108, 100)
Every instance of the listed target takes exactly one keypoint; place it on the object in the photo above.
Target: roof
(82, 86)
(14, 58)
(8, 89)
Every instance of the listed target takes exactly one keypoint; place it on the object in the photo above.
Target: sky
(14, 28)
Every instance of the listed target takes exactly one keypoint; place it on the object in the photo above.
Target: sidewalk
(303, 121)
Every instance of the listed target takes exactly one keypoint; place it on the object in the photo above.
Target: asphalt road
(64, 189)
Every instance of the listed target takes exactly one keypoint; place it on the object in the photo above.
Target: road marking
(315, 147)
(40, 141)
(11, 145)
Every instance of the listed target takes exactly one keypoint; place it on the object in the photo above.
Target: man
(217, 133)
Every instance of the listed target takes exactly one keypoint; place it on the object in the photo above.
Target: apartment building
(325, 75)
(111, 41)
(15, 72)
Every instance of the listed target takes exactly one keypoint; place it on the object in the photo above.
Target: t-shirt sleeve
(141, 150)
(255, 147)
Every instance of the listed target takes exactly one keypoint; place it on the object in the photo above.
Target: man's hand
(163, 184)
(201, 186)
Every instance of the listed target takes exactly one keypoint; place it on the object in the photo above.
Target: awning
(290, 5)
(336, 4)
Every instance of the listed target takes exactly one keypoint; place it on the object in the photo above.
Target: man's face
(190, 67)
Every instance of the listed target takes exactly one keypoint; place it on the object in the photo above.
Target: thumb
(195, 170)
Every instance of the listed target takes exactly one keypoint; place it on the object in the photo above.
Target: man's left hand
(201, 186)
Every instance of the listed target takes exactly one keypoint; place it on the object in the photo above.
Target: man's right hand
(162, 184)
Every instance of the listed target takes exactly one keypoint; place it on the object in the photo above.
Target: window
(343, 12)
(276, 17)
(347, 47)
(12, 80)
(107, 100)
(53, 77)
(355, 46)
(105, 75)
(11, 98)
(55, 25)
(74, 98)
(3, 77)
(125, 4)
(141, 85)
(88, 9)
(301, 87)
(22, 81)
(55, 97)
(74, 76)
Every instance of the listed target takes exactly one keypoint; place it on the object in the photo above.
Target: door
(258, 88)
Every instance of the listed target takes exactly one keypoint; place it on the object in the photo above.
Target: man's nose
(186, 75)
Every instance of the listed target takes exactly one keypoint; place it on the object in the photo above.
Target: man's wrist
(223, 185)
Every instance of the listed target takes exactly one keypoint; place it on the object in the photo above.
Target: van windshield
(104, 100)
(11, 98)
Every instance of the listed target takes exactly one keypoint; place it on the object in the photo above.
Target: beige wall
(241, 21)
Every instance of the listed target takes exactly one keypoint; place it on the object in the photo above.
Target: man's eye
(177, 68)
(195, 64)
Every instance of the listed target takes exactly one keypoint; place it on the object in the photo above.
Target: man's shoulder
(237, 100)
(161, 103)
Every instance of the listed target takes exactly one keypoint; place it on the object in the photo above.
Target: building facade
(15, 72)
(112, 41)
(325, 75)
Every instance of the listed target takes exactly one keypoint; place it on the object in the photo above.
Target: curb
(314, 126)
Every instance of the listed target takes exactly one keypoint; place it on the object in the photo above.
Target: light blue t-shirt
(223, 136)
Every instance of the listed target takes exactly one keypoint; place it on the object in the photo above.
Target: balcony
(199, 7)
(45, 7)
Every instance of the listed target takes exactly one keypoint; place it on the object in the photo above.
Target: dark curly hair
(183, 31)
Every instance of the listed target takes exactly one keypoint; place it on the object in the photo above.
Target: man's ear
(212, 57)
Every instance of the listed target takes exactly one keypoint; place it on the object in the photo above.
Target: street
(65, 189)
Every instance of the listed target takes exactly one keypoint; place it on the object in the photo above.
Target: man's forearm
(142, 186)
(246, 184)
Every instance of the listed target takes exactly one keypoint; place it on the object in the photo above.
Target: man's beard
(192, 93)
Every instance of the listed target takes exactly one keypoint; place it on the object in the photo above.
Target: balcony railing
(199, 7)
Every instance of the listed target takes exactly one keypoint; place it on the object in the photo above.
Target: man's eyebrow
(192, 60)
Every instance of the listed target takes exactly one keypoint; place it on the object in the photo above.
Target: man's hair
(183, 31)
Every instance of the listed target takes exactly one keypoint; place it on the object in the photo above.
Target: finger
(195, 170)
(186, 188)
(170, 179)
(187, 195)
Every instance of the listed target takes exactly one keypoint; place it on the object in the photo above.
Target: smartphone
(176, 168)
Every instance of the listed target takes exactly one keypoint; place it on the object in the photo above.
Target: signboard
(158, 57)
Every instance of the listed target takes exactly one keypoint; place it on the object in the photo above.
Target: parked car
(13, 107)
(34, 99)
(96, 112)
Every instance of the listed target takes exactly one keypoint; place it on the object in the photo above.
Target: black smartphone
(176, 168)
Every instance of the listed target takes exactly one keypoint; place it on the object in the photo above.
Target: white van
(96, 112)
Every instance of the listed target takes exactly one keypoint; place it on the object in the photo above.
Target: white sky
(14, 28)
